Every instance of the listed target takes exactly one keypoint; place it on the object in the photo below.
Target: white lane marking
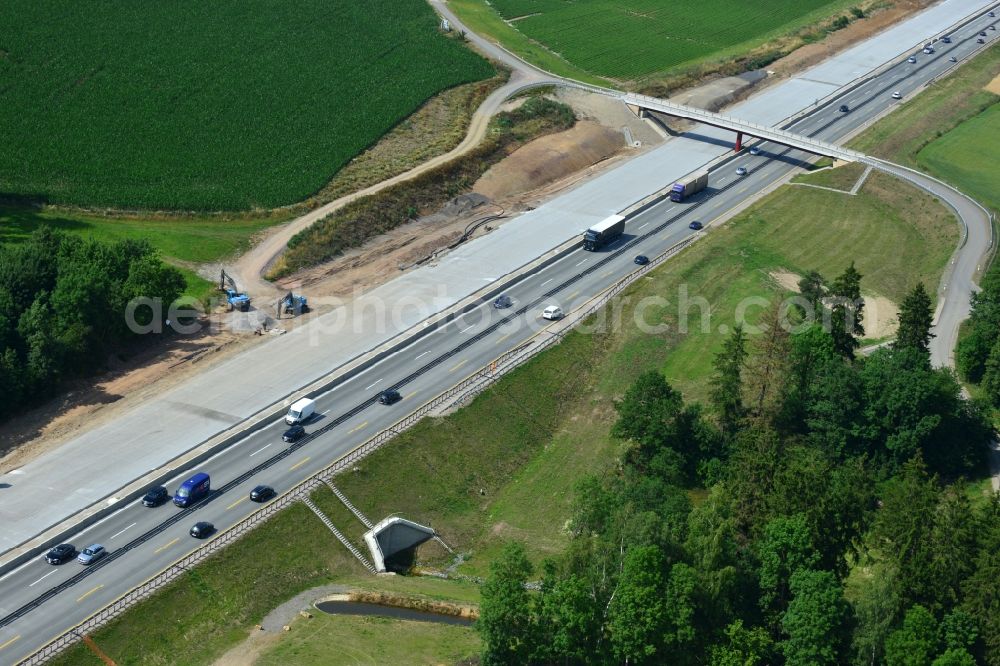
(643, 227)
(42, 578)
(583, 261)
(464, 330)
(372, 384)
(121, 532)
(546, 282)
(258, 450)
(425, 353)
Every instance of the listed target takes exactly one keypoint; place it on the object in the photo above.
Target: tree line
(62, 308)
(833, 524)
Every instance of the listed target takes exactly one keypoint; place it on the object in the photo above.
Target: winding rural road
(251, 267)
(38, 601)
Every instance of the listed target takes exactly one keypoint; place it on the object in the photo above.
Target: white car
(552, 312)
(741, 171)
(897, 95)
(755, 150)
(912, 60)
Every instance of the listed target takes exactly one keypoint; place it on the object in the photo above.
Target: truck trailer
(603, 232)
(690, 185)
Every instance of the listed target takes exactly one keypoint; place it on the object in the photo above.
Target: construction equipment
(292, 304)
(234, 297)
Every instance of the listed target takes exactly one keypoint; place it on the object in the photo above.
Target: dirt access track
(524, 180)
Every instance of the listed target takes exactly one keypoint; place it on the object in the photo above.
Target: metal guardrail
(461, 393)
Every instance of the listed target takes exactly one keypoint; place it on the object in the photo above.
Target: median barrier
(469, 387)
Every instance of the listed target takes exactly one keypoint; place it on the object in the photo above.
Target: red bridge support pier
(739, 142)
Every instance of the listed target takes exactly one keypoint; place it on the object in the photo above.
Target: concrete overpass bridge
(738, 126)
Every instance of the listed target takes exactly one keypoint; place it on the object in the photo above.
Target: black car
(261, 494)
(980, 40)
(982, 34)
(156, 496)
(696, 225)
(642, 260)
(292, 434)
(844, 108)
(61, 553)
(200, 530)
(389, 396)
(502, 302)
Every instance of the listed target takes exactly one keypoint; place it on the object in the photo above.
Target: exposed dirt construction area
(994, 85)
(812, 54)
(146, 372)
(881, 316)
(530, 176)
(520, 182)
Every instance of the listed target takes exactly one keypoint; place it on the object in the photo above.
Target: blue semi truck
(691, 185)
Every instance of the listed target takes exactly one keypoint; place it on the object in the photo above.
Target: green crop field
(223, 105)
(632, 38)
(969, 155)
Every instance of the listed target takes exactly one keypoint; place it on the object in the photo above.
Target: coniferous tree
(915, 318)
(847, 311)
(727, 382)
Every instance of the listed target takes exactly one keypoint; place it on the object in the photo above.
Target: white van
(301, 411)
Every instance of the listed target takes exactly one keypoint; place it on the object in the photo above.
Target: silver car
(91, 554)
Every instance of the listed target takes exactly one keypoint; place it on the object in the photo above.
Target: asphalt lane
(143, 541)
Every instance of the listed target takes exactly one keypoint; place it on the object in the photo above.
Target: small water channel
(361, 608)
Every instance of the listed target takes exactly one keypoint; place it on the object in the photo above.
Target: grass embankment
(652, 46)
(505, 466)
(434, 129)
(841, 178)
(228, 105)
(367, 217)
(949, 130)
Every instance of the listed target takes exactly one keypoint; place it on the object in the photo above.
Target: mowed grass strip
(226, 105)
(343, 640)
(505, 465)
(627, 39)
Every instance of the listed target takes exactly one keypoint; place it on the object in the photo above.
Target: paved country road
(38, 601)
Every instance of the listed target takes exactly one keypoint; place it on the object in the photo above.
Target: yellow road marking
(409, 396)
(166, 545)
(573, 295)
(10, 641)
(606, 273)
(299, 463)
(357, 428)
(235, 503)
(87, 594)
(503, 337)
(740, 191)
(459, 365)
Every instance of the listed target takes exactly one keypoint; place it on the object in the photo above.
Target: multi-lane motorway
(39, 601)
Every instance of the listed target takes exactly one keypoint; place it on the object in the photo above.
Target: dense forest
(816, 512)
(63, 303)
